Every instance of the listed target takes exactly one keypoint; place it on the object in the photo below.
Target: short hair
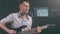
(21, 1)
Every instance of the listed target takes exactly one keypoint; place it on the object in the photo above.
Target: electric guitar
(34, 29)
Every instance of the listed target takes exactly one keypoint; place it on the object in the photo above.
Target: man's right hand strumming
(11, 32)
(4, 27)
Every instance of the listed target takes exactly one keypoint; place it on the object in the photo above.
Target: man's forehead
(25, 3)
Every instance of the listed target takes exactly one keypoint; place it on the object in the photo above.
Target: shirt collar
(19, 15)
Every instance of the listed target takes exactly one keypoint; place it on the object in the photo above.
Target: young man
(18, 19)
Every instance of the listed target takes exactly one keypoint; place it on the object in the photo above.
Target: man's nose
(26, 7)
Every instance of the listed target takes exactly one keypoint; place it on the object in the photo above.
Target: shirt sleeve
(7, 19)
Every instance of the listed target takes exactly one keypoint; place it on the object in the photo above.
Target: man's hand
(11, 32)
(39, 29)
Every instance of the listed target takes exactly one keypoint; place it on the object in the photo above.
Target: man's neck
(24, 16)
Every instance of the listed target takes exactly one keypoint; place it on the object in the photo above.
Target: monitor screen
(41, 12)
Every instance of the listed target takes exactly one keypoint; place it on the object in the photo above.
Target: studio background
(9, 6)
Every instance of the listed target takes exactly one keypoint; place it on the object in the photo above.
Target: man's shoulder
(14, 13)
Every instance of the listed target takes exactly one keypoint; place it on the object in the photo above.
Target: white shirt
(17, 21)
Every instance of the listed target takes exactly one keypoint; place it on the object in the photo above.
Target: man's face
(24, 8)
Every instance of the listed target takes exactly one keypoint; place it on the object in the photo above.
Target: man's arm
(3, 26)
(7, 20)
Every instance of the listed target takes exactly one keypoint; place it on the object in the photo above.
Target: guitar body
(33, 30)
(17, 29)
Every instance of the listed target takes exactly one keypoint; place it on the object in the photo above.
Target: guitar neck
(42, 27)
(45, 26)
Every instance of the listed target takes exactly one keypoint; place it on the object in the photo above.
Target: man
(18, 19)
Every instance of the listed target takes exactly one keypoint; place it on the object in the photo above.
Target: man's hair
(21, 1)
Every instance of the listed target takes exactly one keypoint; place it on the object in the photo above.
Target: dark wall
(9, 6)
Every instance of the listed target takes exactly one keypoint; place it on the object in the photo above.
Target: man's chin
(24, 13)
